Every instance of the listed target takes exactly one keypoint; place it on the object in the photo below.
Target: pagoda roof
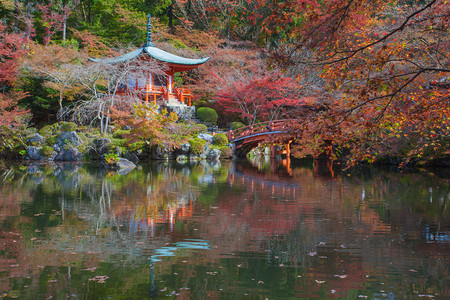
(155, 53)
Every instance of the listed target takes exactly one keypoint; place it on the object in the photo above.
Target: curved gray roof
(155, 53)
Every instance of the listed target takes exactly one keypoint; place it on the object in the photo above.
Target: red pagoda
(157, 87)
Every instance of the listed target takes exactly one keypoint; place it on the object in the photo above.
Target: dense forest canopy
(372, 77)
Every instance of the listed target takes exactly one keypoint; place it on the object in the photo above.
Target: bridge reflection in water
(292, 224)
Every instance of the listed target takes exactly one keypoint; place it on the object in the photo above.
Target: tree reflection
(165, 226)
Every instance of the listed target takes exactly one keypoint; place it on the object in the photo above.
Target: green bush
(68, 126)
(46, 151)
(207, 115)
(120, 134)
(46, 131)
(226, 152)
(236, 125)
(197, 129)
(111, 158)
(196, 146)
(220, 139)
(51, 140)
(140, 145)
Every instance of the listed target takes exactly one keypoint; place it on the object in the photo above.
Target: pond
(230, 230)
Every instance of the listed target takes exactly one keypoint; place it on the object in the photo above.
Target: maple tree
(385, 72)
(11, 50)
(260, 99)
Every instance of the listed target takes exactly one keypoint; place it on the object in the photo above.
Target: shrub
(111, 158)
(196, 146)
(68, 126)
(197, 129)
(140, 145)
(46, 151)
(226, 152)
(46, 131)
(51, 140)
(207, 115)
(220, 139)
(236, 125)
(120, 134)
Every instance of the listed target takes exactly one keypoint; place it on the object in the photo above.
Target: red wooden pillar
(272, 151)
(288, 149)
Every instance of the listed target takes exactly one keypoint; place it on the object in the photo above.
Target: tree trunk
(64, 25)
(170, 13)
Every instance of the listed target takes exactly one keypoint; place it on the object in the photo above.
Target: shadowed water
(230, 230)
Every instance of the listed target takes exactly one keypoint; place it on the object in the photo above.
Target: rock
(132, 157)
(52, 156)
(214, 154)
(124, 163)
(207, 137)
(71, 154)
(184, 148)
(118, 151)
(36, 139)
(205, 153)
(181, 159)
(56, 148)
(101, 146)
(33, 153)
(69, 138)
(193, 157)
(162, 152)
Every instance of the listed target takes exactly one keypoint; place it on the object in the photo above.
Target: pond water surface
(230, 230)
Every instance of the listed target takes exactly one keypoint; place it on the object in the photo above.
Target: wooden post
(147, 90)
(272, 151)
(230, 134)
(288, 149)
(189, 101)
(154, 98)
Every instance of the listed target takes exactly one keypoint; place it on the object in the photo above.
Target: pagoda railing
(153, 93)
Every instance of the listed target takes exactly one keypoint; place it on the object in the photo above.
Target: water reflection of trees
(315, 226)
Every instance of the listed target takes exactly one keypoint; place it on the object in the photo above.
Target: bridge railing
(264, 127)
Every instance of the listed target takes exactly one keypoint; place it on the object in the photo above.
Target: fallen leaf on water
(320, 281)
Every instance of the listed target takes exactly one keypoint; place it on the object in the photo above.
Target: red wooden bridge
(250, 136)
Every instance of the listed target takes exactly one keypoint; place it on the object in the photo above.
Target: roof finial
(148, 42)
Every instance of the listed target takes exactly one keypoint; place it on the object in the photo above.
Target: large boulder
(214, 154)
(184, 148)
(206, 150)
(33, 153)
(101, 146)
(162, 152)
(36, 139)
(131, 156)
(69, 138)
(71, 154)
(124, 163)
(207, 137)
(181, 159)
